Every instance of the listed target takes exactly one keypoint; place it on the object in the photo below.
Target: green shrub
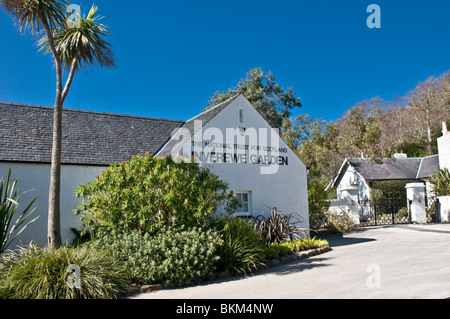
(172, 257)
(151, 193)
(43, 274)
(393, 190)
(242, 247)
(318, 203)
(339, 222)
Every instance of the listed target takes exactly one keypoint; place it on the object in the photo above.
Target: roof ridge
(420, 166)
(215, 107)
(91, 112)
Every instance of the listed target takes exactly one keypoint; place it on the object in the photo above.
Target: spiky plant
(9, 204)
(279, 227)
(441, 182)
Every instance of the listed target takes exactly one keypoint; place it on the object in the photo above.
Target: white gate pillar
(415, 192)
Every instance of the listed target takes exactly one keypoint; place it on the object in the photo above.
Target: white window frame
(240, 211)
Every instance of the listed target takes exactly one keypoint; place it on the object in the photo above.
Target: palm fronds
(441, 182)
(32, 15)
(82, 44)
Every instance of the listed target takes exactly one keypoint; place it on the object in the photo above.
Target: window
(241, 116)
(245, 199)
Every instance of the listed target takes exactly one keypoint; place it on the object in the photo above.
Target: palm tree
(441, 182)
(72, 47)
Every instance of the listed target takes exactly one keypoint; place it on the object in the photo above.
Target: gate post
(444, 205)
(415, 193)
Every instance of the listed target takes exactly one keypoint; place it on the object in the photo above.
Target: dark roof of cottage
(205, 118)
(428, 166)
(412, 168)
(400, 168)
(89, 138)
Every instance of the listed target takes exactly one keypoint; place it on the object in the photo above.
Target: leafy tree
(72, 46)
(272, 101)
(429, 102)
(318, 200)
(359, 129)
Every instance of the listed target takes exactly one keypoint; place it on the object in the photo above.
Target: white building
(254, 160)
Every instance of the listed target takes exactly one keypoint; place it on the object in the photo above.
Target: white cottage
(231, 139)
(354, 181)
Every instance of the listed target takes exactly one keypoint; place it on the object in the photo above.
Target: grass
(288, 247)
(35, 273)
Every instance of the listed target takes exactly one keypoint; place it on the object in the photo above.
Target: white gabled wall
(286, 189)
(352, 177)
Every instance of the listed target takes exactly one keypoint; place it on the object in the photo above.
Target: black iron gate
(384, 212)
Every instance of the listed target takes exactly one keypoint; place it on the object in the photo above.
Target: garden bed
(267, 264)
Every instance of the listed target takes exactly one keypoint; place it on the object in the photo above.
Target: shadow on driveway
(300, 265)
(339, 240)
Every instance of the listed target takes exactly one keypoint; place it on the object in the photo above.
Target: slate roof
(205, 118)
(89, 138)
(392, 169)
(428, 166)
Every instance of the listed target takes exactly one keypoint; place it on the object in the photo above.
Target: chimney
(444, 148)
(400, 155)
(444, 129)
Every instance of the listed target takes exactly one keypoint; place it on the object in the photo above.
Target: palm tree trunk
(54, 203)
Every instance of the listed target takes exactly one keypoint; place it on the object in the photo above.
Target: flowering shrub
(149, 193)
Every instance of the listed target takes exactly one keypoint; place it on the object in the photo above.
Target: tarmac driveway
(404, 261)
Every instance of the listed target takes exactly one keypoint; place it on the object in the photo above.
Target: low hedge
(288, 247)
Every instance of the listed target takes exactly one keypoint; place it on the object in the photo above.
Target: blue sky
(173, 55)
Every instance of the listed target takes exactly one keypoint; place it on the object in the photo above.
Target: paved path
(405, 261)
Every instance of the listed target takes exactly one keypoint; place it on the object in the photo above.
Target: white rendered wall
(445, 208)
(36, 177)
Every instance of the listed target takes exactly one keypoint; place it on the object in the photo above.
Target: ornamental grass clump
(241, 249)
(34, 273)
